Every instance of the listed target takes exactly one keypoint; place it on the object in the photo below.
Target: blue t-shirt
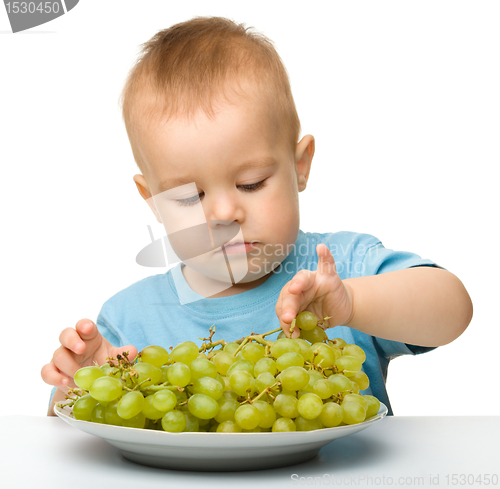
(164, 310)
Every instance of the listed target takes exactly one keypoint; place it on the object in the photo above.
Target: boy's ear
(303, 159)
(143, 188)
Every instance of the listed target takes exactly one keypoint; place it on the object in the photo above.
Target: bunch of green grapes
(250, 385)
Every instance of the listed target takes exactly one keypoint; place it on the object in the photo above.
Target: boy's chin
(233, 272)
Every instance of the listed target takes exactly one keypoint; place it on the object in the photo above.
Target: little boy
(214, 130)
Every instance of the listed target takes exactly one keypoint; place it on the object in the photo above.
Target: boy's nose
(224, 208)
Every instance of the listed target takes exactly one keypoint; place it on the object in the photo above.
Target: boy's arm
(424, 306)
(59, 396)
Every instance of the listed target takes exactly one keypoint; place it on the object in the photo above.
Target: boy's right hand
(80, 347)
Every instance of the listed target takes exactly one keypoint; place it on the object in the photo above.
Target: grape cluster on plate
(250, 385)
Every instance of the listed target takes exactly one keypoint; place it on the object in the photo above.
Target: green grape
(294, 378)
(265, 365)
(282, 346)
(130, 405)
(179, 374)
(222, 361)
(289, 393)
(323, 388)
(356, 398)
(164, 378)
(314, 376)
(145, 371)
(106, 389)
(361, 379)
(309, 406)
(154, 355)
(149, 410)
(174, 422)
(82, 409)
(98, 414)
(229, 394)
(290, 359)
(253, 352)
(353, 413)
(202, 406)
(264, 380)
(164, 400)
(331, 414)
(338, 342)
(241, 365)
(228, 427)
(227, 408)
(181, 396)
(184, 352)
(241, 381)
(231, 347)
(202, 367)
(208, 386)
(306, 320)
(348, 362)
(202, 354)
(373, 405)
(86, 375)
(257, 429)
(281, 335)
(284, 424)
(226, 384)
(192, 423)
(304, 424)
(340, 383)
(314, 335)
(138, 421)
(355, 351)
(108, 370)
(286, 406)
(267, 414)
(305, 349)
(111, 415)
(323, 355)
(247, 416)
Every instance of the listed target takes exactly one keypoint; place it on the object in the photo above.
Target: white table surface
(40, 452)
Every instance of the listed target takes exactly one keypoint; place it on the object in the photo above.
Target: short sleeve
(379, 259)
(105, 324)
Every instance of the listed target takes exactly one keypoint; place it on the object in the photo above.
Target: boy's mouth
(237, 247)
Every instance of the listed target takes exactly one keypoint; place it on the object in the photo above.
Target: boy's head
(205, 97)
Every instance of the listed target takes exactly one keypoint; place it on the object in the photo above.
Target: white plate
(216, 451)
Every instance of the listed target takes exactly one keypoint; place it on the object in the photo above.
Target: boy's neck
(193, 280)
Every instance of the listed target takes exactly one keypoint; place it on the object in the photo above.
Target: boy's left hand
(321, 292)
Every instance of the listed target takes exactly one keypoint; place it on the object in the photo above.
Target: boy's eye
(191, 200)
(253, 186)
(196, 198)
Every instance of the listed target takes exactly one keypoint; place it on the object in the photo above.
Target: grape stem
(265, 391)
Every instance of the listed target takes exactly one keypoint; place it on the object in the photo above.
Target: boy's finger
(70, 339)
(52, 376)
(301, 282)
(326, 263)
(65, 362)
(86, 329)
(293, 295)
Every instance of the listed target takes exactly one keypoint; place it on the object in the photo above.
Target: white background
(402, 98)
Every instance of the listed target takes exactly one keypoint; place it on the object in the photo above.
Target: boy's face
(195, 173)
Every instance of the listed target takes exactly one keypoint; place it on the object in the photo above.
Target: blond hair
(196, 63)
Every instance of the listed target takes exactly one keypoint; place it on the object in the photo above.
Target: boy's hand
(321, 292)
(80, 347)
